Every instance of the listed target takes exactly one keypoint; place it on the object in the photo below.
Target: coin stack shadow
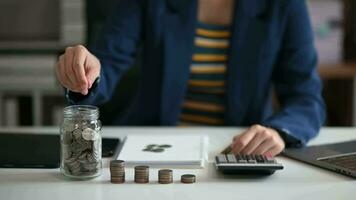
(165, 176)
(188, 178)
(117, 171)
(141, 174)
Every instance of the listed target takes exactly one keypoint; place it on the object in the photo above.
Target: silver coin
(77, 134)
(88, 134)
(83, 156)
(81, 148)
(68, 127)
(66, 152)
(90, 158)
(76, 147)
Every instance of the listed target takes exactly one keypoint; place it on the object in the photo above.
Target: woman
(208, 62)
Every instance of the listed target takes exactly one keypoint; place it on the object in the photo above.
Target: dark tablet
(38, 150)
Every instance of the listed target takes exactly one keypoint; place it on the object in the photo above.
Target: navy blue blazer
(271, 47)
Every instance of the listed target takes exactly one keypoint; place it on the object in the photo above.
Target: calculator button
(231, 158)
(259, 159)
(222, 158)
(240, 158)
(269, 159)
(244, 157)
(251, 159)
(242, 164)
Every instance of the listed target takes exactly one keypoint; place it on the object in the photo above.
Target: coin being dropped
(88, 134)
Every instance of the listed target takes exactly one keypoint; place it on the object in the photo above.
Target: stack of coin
(188, 178)
(165, 176)
(117, 171)
(141, 174)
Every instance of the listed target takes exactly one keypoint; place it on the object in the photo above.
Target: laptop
(29, 151)
(337, 157)
(19, 150)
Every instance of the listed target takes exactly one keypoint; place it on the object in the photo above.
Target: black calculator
(247, 164)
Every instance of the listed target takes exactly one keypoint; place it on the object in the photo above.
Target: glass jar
(81, 142)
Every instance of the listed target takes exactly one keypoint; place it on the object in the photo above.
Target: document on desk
(182, 151)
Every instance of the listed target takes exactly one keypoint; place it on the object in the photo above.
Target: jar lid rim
(74, 110)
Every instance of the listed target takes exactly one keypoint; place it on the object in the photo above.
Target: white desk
(297, 181)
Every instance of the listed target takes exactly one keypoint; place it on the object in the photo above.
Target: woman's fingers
(258, 140)
(62, 78)
(80, 54)
(242, 140)
(91, 71)
(68, 60)
(62, 73)
(274, 150)
(59, 75)
(263, 147)
(77, 69)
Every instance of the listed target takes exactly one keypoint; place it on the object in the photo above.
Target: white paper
(186, 151)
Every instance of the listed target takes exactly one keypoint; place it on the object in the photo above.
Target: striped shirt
(204, 103)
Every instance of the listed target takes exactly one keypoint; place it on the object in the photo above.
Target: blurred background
(34, 33)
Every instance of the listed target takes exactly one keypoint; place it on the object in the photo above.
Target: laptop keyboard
(346, 161)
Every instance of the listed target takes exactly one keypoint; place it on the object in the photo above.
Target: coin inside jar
(80, 144)
(88, 134)
(77, 133)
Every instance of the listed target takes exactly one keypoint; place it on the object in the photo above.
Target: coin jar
(80, 133)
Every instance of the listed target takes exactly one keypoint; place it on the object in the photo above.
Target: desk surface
(296, 181)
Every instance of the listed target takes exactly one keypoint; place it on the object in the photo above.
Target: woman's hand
(258, 140)
(77, 69)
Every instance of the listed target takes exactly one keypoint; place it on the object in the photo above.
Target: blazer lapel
(249, 32)
(179, 27)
